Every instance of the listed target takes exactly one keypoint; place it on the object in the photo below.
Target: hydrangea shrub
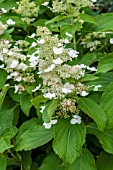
(56, 85)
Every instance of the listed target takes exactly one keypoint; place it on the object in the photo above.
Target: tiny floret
(49, 95)
(75, 120)
(111, 40)
(68, 88)
(58, 61)
(96, 87)
(73, 53)
(48, 125)
(36, 88)
(84, 93)
(10, 22)
(69, 35)
(57, 50)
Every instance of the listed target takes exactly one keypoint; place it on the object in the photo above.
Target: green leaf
(5, 138)
(93, 110)
(84, 162)
(56, 19)
(105, 64)
(26, 160)
(105, 138)
(104, 80)
(38, 100)
(26, 104)
(6, 118)
(16, 96)
(7, 4)
(88, 59)
(32, 137)
(88, 77)
(3, 162)
(68, 140)
(52, 161)
(50, 110)
(104, 23)
(107, 104)
(3, 77)
(3, 94)
(40, 22)
(26, 126)
(104, 161)
(87, 18)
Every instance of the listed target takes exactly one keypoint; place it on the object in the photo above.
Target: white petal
(10, 22)
(37, 88)
(73, 121)
(42, 41)
(14, 64)
(69, 35)
(91, 68)
(49, 95)
(96, 87)
(53, 122)
(42, 109)
(47, 125)
(111, 40)
(32, 36)
(58, 61)
(84, 93)
(16, 88)
(57, 50)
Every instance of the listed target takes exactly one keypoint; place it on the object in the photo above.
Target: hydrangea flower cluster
(3, 27)
(53, 67)
(28, 10)
(63, 6)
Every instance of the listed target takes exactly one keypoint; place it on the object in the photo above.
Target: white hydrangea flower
(18, 79)
(32, 35)
(52, 66)
(68, 88)
(75, 120)
(49, 95)
(10, 53)
(73, 53)
(14, 64)
(16, 88)
(2, 66)
(10, 22)
(5, 50)
(33, 44)
(58, 61)
(66, 41)
(69, 35)
(111, 40)
(36, 88)
(58, 50)
(91, 68)
(48, 125)
(4, 10)
(93, 1)
(84, 93)
(96, 87)
(42, 108)
(22, 67)
(45, 3)
(42, 41)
